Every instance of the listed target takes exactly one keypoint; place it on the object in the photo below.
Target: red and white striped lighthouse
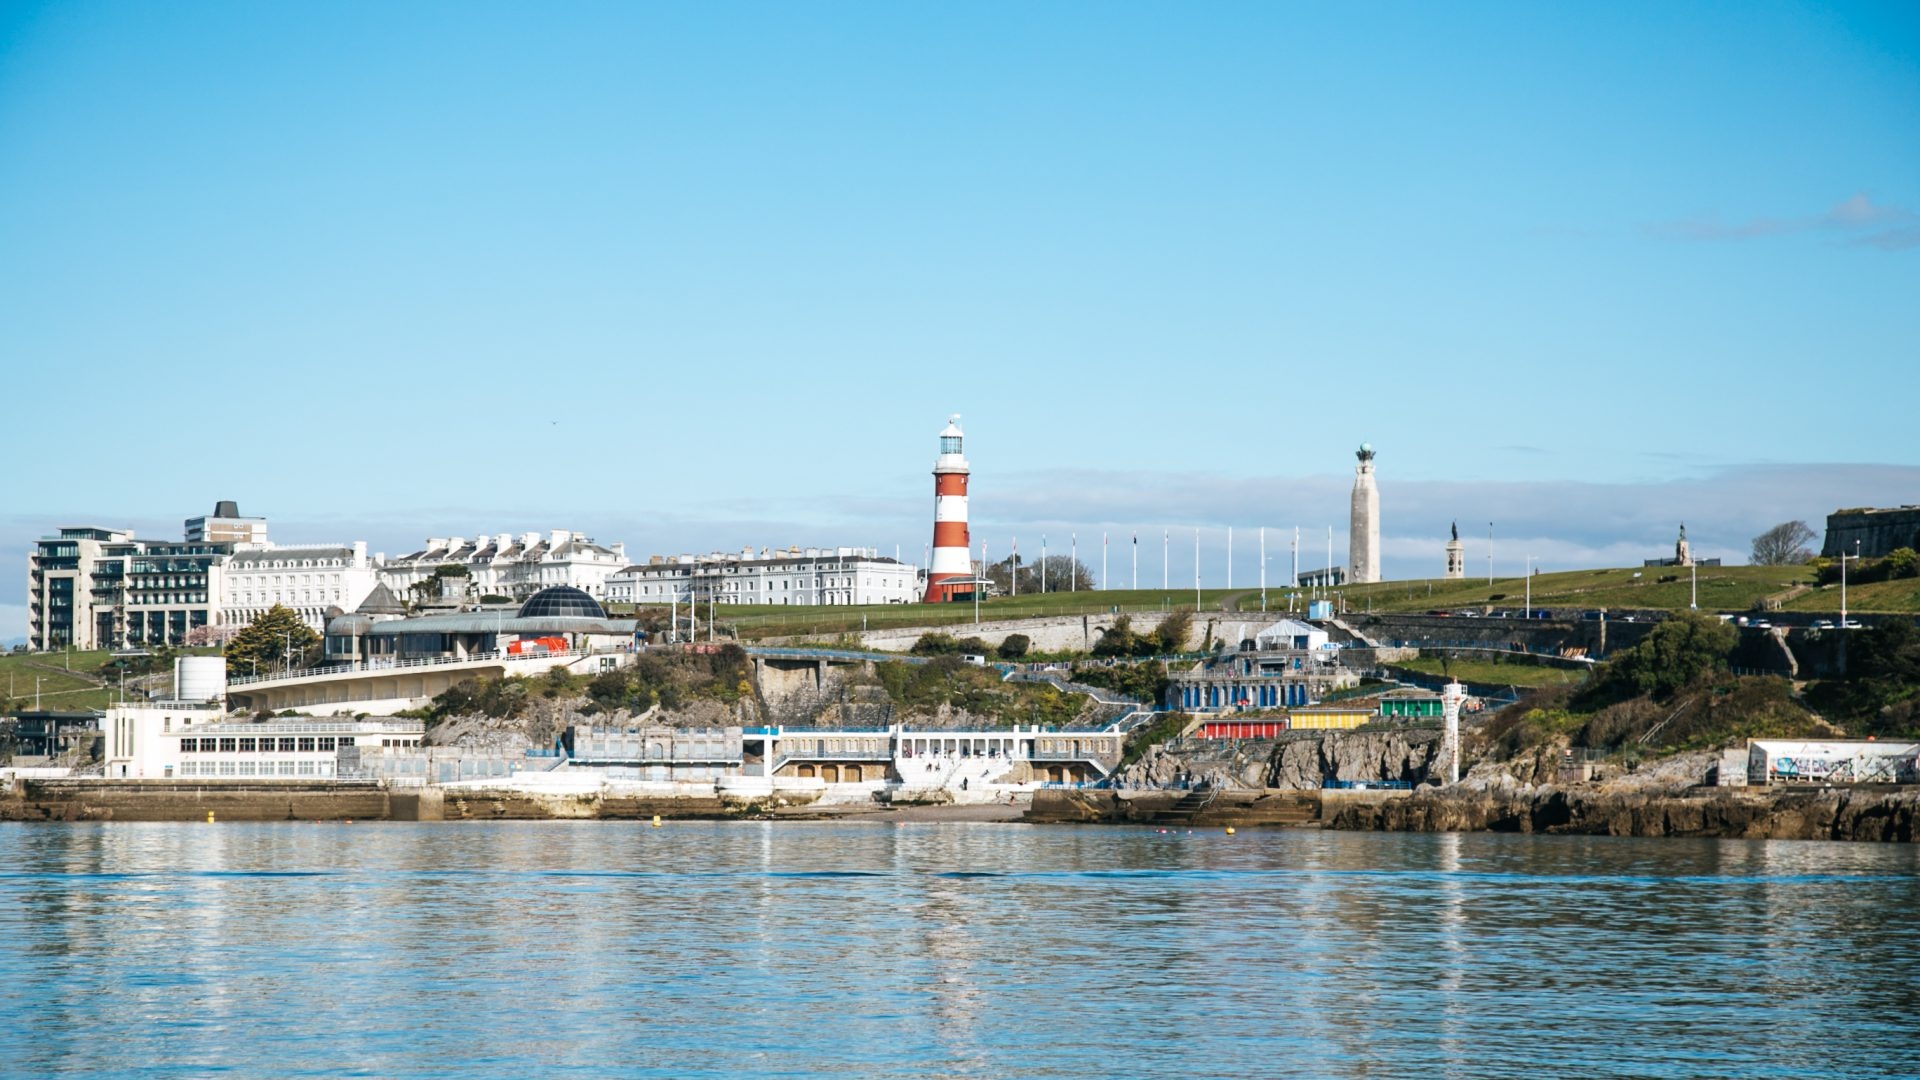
(951, 547)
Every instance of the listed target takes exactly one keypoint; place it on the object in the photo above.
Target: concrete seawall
(172, 800)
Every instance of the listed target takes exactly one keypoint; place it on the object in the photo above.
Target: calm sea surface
(931, 950)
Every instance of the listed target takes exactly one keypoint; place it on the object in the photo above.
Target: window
(246, 746)
(227, 745)
(286, 746)
(189, 746)
(326, 743)
(306, 743)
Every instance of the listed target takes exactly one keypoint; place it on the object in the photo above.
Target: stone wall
(1070, 633)
(1877, 531)
(1860, 814)
(175, 800)
(1531, 635)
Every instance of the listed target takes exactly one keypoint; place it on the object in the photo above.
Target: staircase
(1190, 806)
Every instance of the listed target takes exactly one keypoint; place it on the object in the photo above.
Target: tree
(1677, 652)
(1062, 574)
(1783, 545)
(430, 587)
(1014, 646)
(276, 638)
(1171, 635)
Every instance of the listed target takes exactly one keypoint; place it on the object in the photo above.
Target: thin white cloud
(1863, 221)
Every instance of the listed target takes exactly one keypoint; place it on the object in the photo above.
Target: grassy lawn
(59, 688)
(760, 621)
(1882, 597)
(1495, 673)
(1722, 588)
(69, 682)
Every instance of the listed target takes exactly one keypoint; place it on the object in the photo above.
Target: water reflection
(959, 950)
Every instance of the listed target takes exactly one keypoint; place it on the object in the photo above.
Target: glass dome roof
(562, 601)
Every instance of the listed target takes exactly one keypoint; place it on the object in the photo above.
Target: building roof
(280, 552)
(562, 600)
(381, 601)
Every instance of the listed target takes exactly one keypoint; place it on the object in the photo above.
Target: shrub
(1014, 647)
(1903, 563)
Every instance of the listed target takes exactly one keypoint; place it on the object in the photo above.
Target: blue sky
(701, 276)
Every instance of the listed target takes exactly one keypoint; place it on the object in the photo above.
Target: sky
(696, 277)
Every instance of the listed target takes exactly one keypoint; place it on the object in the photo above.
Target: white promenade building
(307, 578)
(796, 576)
(512, 566)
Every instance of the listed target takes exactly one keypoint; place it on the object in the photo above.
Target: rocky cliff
(1297, 761)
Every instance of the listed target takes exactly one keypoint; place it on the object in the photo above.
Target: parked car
(1823, 624)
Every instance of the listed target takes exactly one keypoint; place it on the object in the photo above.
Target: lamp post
(1693, 571)
(1843, 588)
(1529, 586)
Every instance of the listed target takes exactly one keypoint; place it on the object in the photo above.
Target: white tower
(1452, 696)
(951, 545)
(1363, 536)
(1456, 556)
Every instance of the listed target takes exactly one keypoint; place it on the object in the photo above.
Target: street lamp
(1843, 588)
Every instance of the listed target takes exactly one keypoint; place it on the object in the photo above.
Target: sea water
(946, 950)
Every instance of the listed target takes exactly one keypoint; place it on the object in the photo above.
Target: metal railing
(363, 667)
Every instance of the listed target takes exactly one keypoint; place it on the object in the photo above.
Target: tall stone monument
(1363, 534)
(1456, 556)
(1683, 551)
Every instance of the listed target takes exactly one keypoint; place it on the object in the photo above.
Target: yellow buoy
(656, 821)
(1229, 830)
(209, 817)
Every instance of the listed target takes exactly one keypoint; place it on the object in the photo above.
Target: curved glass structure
(562, 601)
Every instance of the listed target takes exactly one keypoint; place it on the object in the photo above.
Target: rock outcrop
(1297, 761)
(1838, 814)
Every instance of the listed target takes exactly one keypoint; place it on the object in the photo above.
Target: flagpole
(1196, 571)
(1043, 562)
(1102, 583)
(1263, 568)
(1229, 556)
(1166, 536)
(1073, 562)
(1136, 562)
(1013, 576)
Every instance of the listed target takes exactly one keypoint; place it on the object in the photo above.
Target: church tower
(1363, 534)
(1456, 556)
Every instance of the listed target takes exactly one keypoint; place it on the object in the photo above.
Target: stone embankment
(1835, 814)
(168, 800)
(96, 800)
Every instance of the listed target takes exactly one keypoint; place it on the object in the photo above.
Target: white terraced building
(307, 578)
(513, 566)
(796, 576)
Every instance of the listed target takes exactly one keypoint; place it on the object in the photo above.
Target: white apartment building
(796, 576)
(307, 578)
(513, 566)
